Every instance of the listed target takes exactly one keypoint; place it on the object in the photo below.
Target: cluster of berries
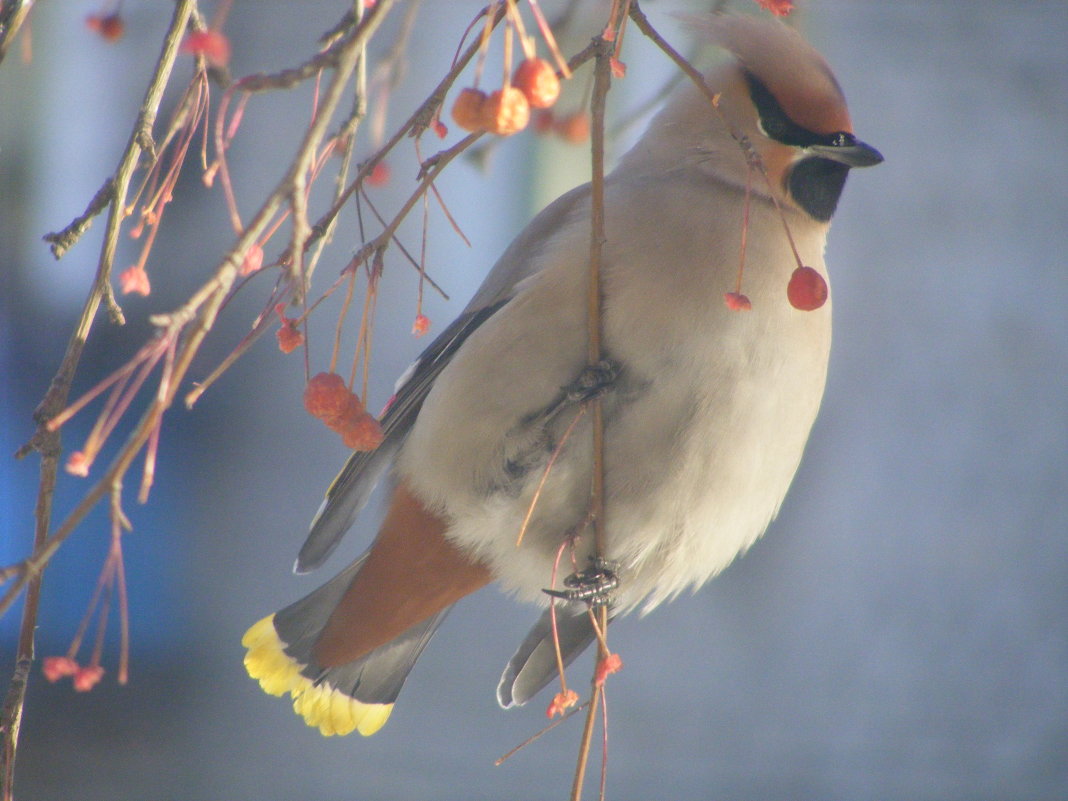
(328, 398)
(507, 110)
(85, 677)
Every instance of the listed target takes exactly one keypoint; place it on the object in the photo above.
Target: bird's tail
(534, 663)
(358, 695)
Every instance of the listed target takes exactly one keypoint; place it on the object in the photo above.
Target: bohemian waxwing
(706, 409)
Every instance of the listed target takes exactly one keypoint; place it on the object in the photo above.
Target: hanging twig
(47, 442)
(602, 83)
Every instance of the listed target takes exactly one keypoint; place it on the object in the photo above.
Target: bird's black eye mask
(777, 125)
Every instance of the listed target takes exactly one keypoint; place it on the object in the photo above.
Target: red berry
(379, 174)
(213, 45)
(736, 301)
(109, 26)
(807, 290)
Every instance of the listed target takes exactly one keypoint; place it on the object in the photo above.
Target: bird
(706, 408)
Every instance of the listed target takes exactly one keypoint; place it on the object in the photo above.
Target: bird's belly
(696, 467)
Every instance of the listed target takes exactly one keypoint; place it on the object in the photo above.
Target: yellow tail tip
(322, 705)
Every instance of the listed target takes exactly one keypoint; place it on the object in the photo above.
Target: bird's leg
(593, 585)
(594, 381)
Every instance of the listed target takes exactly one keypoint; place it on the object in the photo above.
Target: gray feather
(346, 497)
(352, 488)
(375, 678)
(534, 663)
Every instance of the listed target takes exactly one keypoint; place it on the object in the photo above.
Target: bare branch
(64, 240)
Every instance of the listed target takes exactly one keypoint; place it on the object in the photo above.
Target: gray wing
(352, 488)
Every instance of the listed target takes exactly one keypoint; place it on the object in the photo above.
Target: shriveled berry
(536, 79)
(360, 432)
(505, 111)
(467, 109)
(326, 397)
(807, 290)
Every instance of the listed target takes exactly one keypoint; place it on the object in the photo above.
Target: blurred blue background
(899, 633)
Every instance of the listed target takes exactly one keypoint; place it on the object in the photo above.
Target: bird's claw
(593, 585)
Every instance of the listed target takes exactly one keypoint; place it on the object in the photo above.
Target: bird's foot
(593, 585)
(592, 382)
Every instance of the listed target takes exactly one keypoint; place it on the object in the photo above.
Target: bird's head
(778, 97)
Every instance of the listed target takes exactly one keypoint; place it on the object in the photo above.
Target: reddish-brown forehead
(792, 70)
(812, 100)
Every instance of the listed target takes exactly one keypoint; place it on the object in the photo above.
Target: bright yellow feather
(321, 705)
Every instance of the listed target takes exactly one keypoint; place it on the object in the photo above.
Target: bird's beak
(853, 154)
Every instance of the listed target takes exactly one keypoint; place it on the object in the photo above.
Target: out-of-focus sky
(899, 633)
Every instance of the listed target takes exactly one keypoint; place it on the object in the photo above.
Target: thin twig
(538, 734)
(46, 442)
(602, 83)
(691, 71)
(64, 240)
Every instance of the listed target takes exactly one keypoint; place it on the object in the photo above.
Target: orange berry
(561, 702)
(779, 8)
(505, 111)
(467, 109)
(574, 128)
(289, 337)
(543, 122)
(612, 663)
(421, 325)
(536, 79)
